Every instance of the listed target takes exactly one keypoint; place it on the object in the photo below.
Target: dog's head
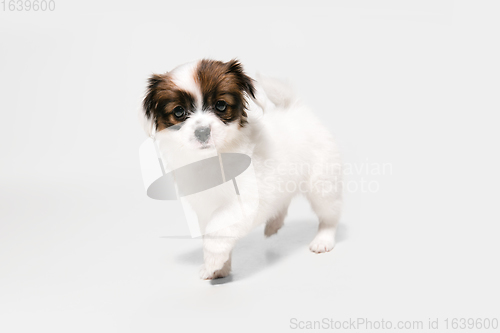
(199, 105)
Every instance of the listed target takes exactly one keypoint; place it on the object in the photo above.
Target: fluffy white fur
(291, 151)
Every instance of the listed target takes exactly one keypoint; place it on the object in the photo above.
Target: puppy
(209, 107)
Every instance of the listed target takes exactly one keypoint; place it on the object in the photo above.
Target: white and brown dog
(207, 105)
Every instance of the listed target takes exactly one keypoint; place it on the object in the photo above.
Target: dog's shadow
(255, 252)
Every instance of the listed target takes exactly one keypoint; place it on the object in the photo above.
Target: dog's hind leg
(274, 224)
(327, 207)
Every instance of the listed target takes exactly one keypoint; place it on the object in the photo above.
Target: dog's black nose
(202, 133)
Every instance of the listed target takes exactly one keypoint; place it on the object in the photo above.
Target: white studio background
(410, 85)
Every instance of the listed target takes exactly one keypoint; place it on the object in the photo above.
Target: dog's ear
(149, 104)
(245, 82)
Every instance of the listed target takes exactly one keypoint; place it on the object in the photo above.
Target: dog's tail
(273, 92)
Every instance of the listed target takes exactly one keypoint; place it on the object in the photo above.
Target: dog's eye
(221, 106)
(179, 112)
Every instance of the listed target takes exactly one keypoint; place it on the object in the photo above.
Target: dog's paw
(272, 227)
(215, 267)
(207, 273)
(322, 243)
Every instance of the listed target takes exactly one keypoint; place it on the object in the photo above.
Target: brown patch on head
(224, 81)
(162, 97)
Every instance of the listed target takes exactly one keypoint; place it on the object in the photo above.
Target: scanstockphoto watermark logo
(355, 324)
(28, 5)
(204, 183)
(352, 177)
(464, 323)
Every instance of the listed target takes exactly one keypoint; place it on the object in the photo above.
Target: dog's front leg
(218, 244)
(217, 264)
(217, 247)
